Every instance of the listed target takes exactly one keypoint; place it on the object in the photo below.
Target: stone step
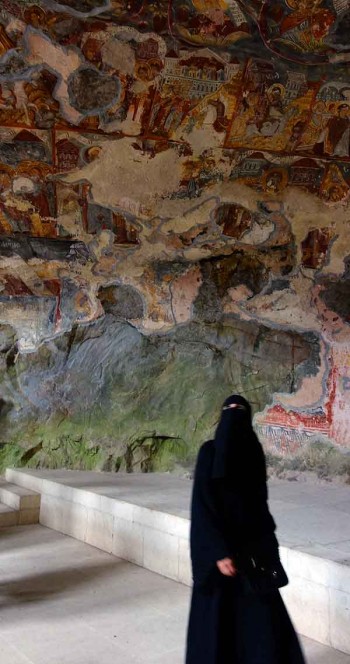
(18, 497)
(8, 516)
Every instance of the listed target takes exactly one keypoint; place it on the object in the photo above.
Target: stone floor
(64, 602)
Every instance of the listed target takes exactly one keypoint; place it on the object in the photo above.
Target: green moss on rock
(105, 392)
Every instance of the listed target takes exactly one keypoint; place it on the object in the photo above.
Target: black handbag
(262, 577)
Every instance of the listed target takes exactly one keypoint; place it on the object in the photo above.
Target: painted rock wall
(174, 224)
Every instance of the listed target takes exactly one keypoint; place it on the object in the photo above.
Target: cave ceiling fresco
(195, 153)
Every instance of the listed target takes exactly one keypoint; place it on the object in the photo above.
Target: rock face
(174, 220)
(111, 395)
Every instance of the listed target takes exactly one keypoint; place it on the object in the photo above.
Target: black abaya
(230, 517)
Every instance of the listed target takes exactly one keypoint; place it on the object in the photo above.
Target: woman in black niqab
(230, 522)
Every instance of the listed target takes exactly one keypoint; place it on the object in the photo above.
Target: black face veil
(234, 438)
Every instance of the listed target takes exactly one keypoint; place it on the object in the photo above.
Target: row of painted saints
(297, 116)
(264, 110)
(308, 27)
(316, 28)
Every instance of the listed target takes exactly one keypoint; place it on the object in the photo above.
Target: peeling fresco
(177, 163)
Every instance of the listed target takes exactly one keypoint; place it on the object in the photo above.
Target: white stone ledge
(328, 573)
(27, 480)
(318, 596)
(162, 521)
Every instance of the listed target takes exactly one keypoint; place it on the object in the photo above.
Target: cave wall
(174, 221)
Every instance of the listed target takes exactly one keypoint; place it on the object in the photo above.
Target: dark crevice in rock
(70, 340)
(336, 293)
(164, 270)
(221, 273)
(5, 407)
(29, 454)
(122, 302)
(11, 357)
(277, 285)
(7, 338)
(142, 452)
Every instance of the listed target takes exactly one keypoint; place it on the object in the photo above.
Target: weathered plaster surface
(174, 168)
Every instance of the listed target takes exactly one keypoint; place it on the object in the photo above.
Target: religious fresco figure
(212, 23)
(92, 51)
(299, 28)
(6, 43)
(10, 112)
(221, 122)
(335, 138)
(309, 134)
(307, 15)
(275, 180)
(27, 200)
(36, 16)
(42, 107)
(274, 117)
(334, 187)
(267, 118)
(7, 97)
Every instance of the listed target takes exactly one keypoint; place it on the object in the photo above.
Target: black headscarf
(237, 447)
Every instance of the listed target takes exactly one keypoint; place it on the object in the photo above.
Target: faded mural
(174, 223)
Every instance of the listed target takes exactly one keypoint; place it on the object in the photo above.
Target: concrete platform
(144, 519)
(64, 602)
